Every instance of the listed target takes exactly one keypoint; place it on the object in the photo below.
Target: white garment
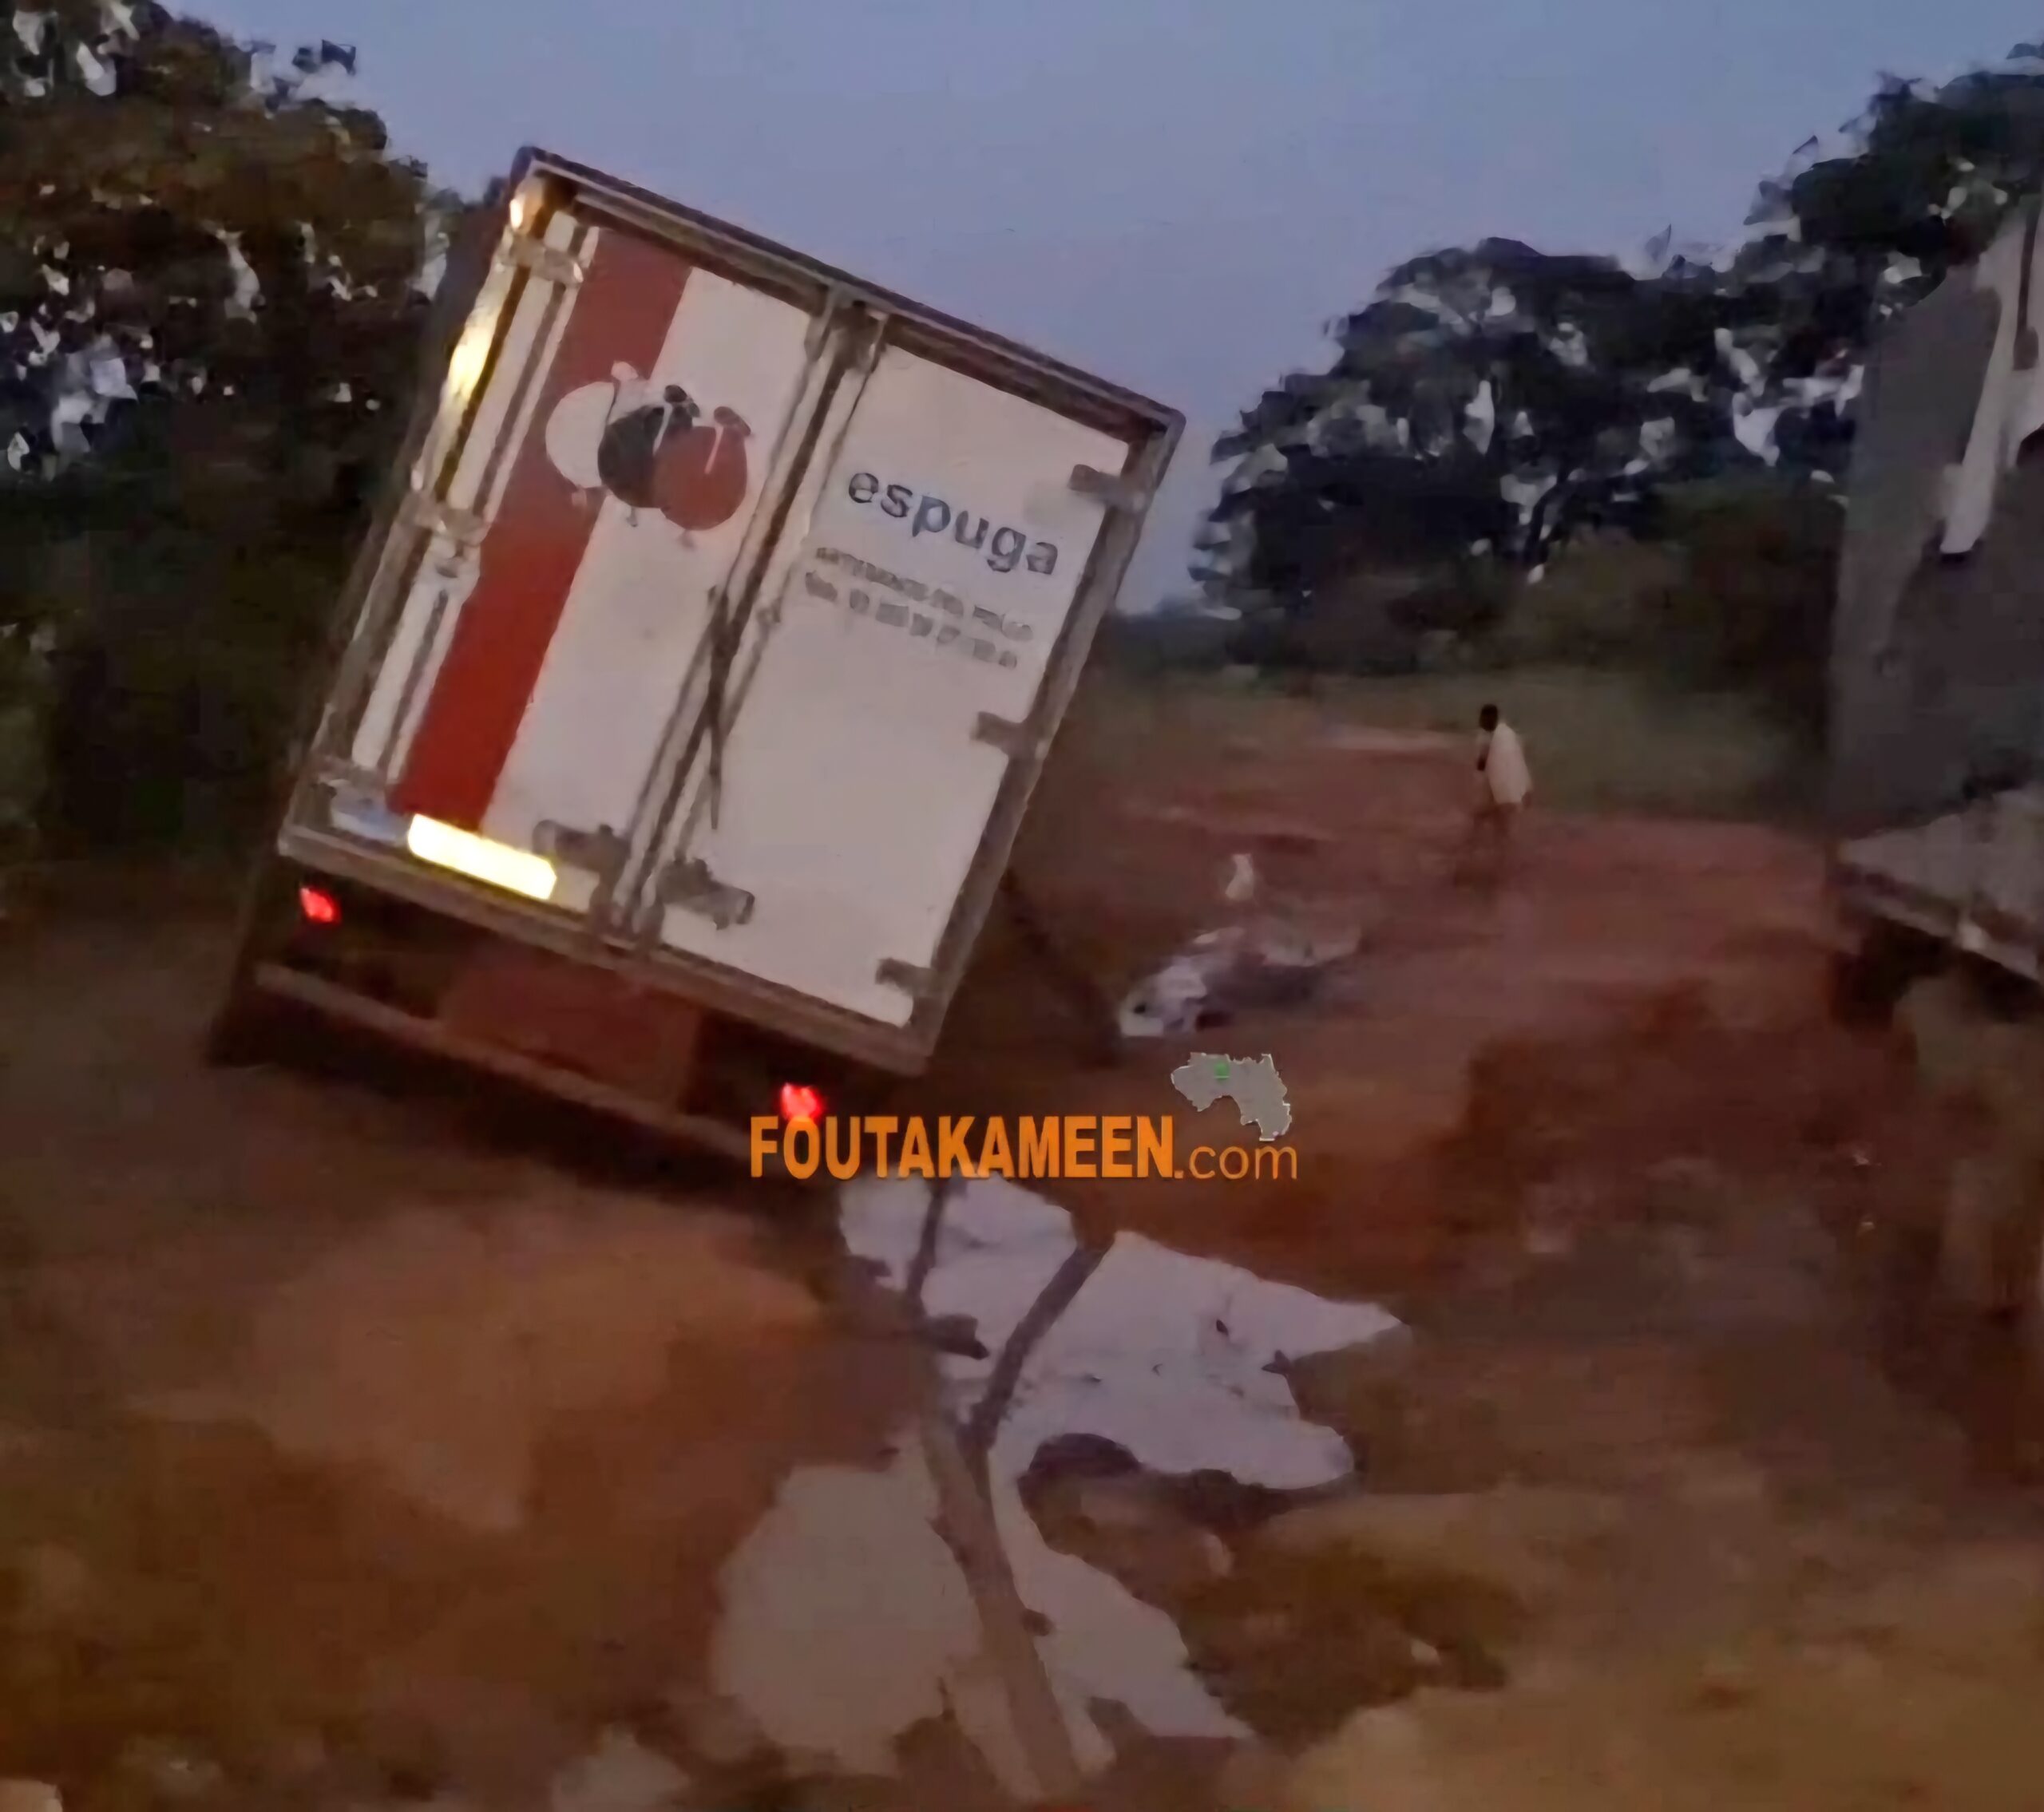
(2011, 405)
(1505, 771)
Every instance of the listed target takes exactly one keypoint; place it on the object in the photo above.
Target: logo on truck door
(1004, 548)
(651, 450)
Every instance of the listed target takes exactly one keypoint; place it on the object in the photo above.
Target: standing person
(1505, 784)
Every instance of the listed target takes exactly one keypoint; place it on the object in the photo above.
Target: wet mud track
(344, 1439)
(358, 1446)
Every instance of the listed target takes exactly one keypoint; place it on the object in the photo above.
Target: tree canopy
(182, 224)
(1496, 400)
(213, 273)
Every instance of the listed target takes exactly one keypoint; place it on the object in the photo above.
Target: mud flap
(238, 1033)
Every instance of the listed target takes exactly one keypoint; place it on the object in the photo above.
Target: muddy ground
(359, 1445)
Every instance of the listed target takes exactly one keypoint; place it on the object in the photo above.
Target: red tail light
(320, 907)
(799, 1101)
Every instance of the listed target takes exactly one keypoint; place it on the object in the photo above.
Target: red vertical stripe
(621, 313)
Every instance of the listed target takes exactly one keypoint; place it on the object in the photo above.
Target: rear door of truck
(900, 665)
(536, 641)
(726, 621)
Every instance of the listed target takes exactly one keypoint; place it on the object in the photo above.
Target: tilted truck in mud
(692, 686)
(1937, 679)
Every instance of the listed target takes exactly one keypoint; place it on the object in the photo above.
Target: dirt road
(354, 1448)
(344, 1439)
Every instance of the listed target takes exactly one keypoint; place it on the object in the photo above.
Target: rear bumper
(453, 900)
(278, 981)
(581, 1032)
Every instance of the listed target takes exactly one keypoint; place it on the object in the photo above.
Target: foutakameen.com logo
(1045, 1148)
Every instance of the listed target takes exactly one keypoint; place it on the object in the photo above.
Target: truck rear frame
(589, 1003)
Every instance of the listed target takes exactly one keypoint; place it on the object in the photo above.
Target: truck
(1937, 752)
(689, 689)
(1936, 734)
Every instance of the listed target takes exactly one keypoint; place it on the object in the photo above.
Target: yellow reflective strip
(515, 871)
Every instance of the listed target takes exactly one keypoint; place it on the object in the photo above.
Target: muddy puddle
(1137, 1362)
(581, 1497)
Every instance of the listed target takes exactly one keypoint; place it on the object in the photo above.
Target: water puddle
(603, 1442)
(848, 1618)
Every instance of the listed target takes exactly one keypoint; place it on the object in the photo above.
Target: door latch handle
(690, 885)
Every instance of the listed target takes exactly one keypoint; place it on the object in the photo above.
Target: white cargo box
(726, 620)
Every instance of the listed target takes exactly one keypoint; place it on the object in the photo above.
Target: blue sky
(1176, 193)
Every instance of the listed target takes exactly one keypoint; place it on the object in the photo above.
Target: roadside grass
(1598, 740)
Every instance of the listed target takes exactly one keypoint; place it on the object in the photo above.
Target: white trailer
(1937, 743)
(693, 682)
(1970, 881)
(1937, 693)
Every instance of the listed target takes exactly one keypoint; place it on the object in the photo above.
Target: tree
(1494, 400)
(209, 306)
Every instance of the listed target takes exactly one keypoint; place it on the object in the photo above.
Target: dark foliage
(1491, 402)
(209, 322)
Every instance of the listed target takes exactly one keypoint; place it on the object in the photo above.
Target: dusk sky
(1176, 193)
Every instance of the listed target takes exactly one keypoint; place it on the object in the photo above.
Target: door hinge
(829, 319)
(1018, 741)
(1105, 487)
(356, 805)
(600, 852)
(547, 262)
(362, 784)
(913, 979)
(465, 527)
(689, 884)
(867, 334)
